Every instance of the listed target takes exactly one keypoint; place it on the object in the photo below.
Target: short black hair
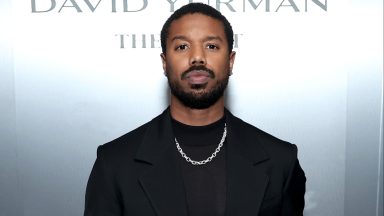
(196, 8)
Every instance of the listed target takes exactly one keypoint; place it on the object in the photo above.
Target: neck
(196, 117)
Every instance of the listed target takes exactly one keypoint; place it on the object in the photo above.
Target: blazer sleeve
(294, 190)
(101, 197)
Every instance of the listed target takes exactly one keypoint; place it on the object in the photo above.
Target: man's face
(197, 61)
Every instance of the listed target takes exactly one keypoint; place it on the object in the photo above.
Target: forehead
(195, 26)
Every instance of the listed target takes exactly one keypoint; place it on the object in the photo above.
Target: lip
(198, 77)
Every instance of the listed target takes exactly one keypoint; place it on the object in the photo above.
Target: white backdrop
(76, 74)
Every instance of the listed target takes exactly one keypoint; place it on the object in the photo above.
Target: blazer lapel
(246, 181)
(162, 180)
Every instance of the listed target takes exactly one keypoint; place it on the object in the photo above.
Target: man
(196, 158)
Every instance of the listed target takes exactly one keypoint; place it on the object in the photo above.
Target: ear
(232, 56)
(164, 62)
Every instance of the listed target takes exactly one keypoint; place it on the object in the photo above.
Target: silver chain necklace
(193, 162)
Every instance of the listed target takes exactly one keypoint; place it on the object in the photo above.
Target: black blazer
(138, 174)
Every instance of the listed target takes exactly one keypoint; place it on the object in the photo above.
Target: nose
(197, 57)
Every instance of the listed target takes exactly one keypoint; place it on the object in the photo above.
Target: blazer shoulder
(275, 147)
(123, 146)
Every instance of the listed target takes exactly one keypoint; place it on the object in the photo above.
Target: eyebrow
(214, 38)
(179, 37)
(209, 38)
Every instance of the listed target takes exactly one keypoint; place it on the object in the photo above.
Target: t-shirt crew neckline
(184, 132)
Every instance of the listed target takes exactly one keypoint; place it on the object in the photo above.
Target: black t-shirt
(205, 185)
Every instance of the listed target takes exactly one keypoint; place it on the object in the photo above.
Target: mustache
(211, 74)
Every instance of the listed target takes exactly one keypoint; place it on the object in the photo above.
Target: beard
(199, 97)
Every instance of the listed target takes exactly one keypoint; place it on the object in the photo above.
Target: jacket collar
(244, 141)
(246, 181)
(163, 183)
(157, 139)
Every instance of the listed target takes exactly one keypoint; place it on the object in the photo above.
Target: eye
(212, 47)
(182, 47)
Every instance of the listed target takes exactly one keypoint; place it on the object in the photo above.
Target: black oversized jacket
(138, 174)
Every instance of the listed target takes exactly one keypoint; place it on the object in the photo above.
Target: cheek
(219, 64)
(172, 71)
(176, 66)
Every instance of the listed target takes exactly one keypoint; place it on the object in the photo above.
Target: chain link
(209, 159)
